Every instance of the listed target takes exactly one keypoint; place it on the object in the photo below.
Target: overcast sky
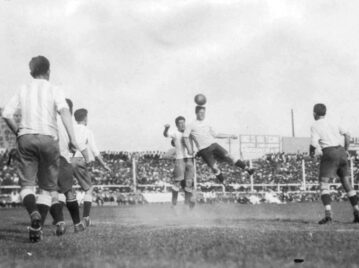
(137, 64)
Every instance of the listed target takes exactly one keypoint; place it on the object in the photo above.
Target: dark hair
(39, 65)
(179, 118)
(80, 114)
(320, 109)
(199, 107)
(70, 104)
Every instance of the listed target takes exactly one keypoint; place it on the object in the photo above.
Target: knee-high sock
(87, 205)
(74, 210)
(326, 202)
(56, 212)
(29, 200)
(43, 205)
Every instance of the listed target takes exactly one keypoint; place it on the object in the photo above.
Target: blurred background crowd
(153, 172)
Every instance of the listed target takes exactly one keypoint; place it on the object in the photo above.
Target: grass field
(226, 235)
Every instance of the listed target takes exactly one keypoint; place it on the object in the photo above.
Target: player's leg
(56, 211)
(326, 200)
(74, 210)
(178, 176)
(208, 157)
(67, 196)
(189, 176)
(49, 163)
(344, 176)
(87, 206)
(223, 155)
(27, 170)
(84, 179)
(327, 170)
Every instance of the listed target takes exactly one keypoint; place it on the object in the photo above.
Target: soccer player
(65, 182)
(204, 138)
(37, 141)
(184, 167)
(334, 162)
(86, 141)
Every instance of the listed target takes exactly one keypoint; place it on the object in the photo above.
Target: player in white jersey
(37, 142)
(184, 167)
(204, 138)
(87, 143)
(334, 161)
(65, 182)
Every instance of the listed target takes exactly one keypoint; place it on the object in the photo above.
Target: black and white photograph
(192, 133)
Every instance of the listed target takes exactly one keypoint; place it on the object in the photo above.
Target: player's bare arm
(102, 163)
(67, 121)
(85, 155)
(165, 132)
(12, 125)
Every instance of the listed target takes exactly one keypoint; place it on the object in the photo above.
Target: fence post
(251, 177)
(352, 171)
(303, 175)
(195, 174)
(134, 171)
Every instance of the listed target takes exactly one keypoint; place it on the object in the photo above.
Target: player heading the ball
(204, 138)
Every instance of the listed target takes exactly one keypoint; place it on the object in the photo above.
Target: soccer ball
(200, 99)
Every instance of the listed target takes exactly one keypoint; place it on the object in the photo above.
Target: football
(200, 99)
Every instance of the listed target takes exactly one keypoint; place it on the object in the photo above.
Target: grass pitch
(224, 235)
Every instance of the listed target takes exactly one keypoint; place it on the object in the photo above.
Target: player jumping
(204, 138)
(334, 161)
(87, 143)
(184, 167)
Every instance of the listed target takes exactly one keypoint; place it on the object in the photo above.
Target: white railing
(302, 186)
(253, 188)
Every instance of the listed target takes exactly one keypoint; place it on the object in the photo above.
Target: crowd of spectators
(154, 174)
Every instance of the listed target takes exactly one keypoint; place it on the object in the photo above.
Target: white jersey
(202, 134)
(85, 140)
(326, 134)
(39, 103)
(181, 150)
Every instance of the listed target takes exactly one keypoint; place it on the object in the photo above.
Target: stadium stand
(154, 173)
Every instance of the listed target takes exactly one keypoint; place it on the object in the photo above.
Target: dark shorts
(65, 179)
(39, 159)
(212, 153)
(334, 163)
(184, 169)
(81, 173)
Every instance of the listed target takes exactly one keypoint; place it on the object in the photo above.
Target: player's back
(38, 104)
(328, 133)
